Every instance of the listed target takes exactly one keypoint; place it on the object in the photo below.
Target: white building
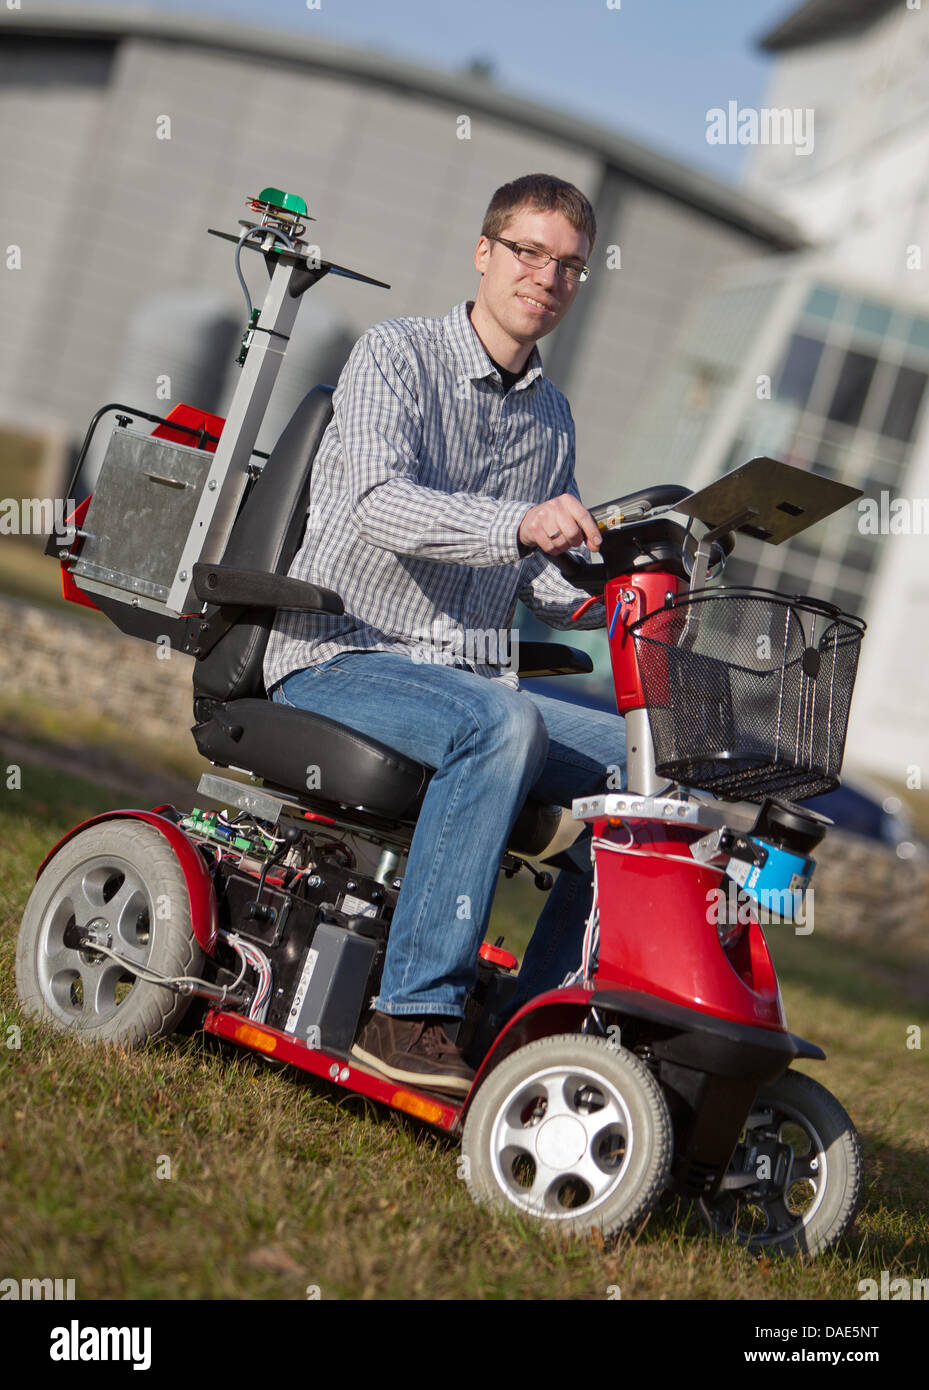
(863, 196)
(821, 358)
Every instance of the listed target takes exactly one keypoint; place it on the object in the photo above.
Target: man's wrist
(503, 541)
(522, 546)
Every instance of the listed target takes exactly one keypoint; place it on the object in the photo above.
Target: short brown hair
(542, 193)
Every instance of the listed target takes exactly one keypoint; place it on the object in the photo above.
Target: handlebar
(581, 573)
(652, 543)
(656, 497)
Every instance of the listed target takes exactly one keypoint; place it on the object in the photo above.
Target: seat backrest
(266, 536)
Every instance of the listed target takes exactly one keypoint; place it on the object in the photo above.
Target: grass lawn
(279, 1183)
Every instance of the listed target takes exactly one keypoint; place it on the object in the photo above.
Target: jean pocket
(307, 673)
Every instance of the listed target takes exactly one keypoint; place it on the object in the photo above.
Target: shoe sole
(425, 1081)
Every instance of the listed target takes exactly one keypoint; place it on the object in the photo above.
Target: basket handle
(819, 605)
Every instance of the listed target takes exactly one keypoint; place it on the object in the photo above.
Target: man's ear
(481, 254)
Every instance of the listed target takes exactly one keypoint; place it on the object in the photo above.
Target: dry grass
(279, 1183)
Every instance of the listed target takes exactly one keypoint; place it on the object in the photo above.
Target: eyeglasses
(529, 255)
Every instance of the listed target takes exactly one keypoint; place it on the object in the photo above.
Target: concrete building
(132, 133)
(862, 193)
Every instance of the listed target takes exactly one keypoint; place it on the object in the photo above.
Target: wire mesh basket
(748, 691)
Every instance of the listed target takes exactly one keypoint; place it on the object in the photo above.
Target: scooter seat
(306, 752)
(314, 756)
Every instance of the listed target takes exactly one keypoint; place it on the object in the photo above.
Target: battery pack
(332, 988)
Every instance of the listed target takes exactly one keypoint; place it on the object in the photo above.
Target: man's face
(523, 302)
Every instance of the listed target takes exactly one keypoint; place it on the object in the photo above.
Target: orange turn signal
(416, 1105)
(255, 1037)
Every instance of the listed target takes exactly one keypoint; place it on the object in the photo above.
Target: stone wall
(863, 892)
(67, 662)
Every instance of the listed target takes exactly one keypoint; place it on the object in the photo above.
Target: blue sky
(649, 69)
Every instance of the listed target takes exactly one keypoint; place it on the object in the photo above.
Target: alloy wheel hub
(561, 1141)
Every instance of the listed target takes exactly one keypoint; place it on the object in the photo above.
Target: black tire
(124, 877)
(533, 1144)
(811, 1186)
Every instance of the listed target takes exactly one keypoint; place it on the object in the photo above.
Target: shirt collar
(471, 353)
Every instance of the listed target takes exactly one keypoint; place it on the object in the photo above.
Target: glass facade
(846, 402)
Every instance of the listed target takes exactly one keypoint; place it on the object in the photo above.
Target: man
(441, 488)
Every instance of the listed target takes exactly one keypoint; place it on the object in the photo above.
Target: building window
(904, 404)
(795, 380)
(852, 387)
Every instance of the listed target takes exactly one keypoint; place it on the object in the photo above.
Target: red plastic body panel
(196, 419)
(555, 1011)
(69, 589)
(649, 593)
(343, 1071)
(204, 915)
(495, 955)
(658, 933)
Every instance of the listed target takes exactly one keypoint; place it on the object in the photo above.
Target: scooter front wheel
(570, 1130)
(795, 1179)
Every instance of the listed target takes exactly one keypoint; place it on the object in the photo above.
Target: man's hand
(558, 525)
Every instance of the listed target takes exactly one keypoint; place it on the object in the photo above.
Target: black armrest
(552, 659)
(223, 584)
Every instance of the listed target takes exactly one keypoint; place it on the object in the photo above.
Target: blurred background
(758, 287)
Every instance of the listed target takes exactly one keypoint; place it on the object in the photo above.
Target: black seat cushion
(306, 752)
(320, 760)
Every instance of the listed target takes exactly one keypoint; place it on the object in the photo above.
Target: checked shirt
(419, 486)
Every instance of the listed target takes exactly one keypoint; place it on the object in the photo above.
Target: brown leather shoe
(415, 1050)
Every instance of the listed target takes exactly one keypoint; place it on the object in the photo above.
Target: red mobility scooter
(663, 1064)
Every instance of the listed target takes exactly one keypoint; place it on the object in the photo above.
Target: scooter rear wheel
(122, 883)
(802, 1155)
(570, 1130)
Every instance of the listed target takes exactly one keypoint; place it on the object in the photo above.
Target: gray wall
(108, 216)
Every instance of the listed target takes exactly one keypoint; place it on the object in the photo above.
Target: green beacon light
(277, 200)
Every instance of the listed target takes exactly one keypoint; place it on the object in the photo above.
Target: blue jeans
(491, 747)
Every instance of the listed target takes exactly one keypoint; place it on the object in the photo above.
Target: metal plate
(636, 808)
(786, 499)
(140, 514)
(698, 810)
(254, 800)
